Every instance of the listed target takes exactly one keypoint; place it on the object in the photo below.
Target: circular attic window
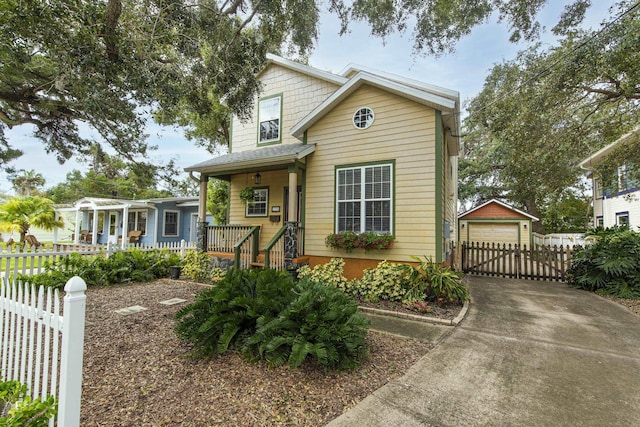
(363, 118)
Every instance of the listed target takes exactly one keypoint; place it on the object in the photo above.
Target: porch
(239, 246)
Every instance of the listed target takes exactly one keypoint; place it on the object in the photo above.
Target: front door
(113, 228)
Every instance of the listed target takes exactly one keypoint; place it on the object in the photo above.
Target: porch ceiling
(261, 158)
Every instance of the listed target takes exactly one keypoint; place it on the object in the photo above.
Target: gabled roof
(420, 96)
(353, 69)
(597, 157)
(304, 69)
(261, 158)
(533, 218)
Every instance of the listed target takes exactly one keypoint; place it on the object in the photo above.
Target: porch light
(257, 178)
(525, 226)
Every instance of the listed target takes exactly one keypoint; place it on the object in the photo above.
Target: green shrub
(17, 409)
(197, 266)
(611, 265)
(226, 314)
(264, 315)
(329, 274)
(437, 282)
(387, 282)
(121, 267)
(321, 323)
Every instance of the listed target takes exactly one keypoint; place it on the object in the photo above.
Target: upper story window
(260, 204)
(270, 120)
(363, 118)
(364, 198)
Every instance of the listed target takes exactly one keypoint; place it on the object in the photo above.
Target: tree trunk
(532, 209)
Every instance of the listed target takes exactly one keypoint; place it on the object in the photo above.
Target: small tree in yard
(20, 213)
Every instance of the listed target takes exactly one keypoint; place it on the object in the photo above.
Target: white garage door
(493, 232)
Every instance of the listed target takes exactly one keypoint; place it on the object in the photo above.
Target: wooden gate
(516, 261)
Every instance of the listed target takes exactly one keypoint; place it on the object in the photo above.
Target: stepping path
(137, 309)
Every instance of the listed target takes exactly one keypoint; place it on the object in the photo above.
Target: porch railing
(246, 249)
(222, 238)
(274, 252)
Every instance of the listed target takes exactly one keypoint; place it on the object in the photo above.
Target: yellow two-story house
(359, 151)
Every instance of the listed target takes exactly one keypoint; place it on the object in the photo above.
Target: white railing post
(183, 248)
(75, 302)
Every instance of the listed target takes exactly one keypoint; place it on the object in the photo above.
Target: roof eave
(434, 101)
(304, 69)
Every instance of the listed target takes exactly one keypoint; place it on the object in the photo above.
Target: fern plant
(437, 282)
(321, 323)
(226, 315)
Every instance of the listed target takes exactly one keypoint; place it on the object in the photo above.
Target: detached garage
(496, 222)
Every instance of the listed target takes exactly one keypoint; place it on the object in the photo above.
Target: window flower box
(350, 240)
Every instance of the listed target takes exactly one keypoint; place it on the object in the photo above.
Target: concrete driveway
(528, 354)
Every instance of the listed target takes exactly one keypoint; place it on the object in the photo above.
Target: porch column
(94, 227)
(293, 194)
(76, 233)
(291, 232)
(125, 226)
(201, 234)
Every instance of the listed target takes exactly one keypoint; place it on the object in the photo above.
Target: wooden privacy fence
(32, 260)
(42, 348)
(516, 261)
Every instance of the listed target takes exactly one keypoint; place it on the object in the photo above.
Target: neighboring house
(158, 220)
(496, 222)
(617, 203)
(364, 151)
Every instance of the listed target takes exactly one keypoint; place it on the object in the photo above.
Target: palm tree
(27, 182)
(19, 213)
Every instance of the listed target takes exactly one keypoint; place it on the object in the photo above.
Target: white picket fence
(43, 348)
(560, 239)
(32, 260)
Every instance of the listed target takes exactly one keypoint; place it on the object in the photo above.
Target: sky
(464, 71)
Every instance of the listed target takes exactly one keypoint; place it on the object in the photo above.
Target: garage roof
(504, 205)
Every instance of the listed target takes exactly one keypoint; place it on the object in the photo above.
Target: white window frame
(270, 117)
(362, 199)
(164, 223)
(357, 116)
(136, 213)
(265, 202)
(620, 215)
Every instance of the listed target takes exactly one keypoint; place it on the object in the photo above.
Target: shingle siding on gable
(300, 95)
(493, 210)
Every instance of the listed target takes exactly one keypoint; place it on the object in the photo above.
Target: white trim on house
(420, 96)
(164, 222)
(596, 157)
(437, 90)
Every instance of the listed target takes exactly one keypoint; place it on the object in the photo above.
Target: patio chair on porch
(133, 236)
(85, 236)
